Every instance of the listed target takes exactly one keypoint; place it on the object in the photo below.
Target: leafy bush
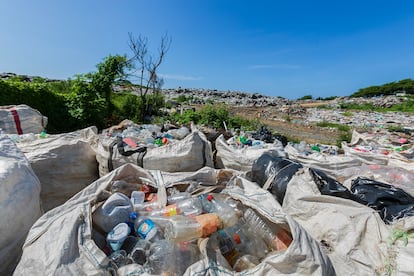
(40, 97)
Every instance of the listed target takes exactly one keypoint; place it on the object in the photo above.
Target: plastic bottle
(161, 257)
(119, 258)
(225, 212)
(114, 210)
(117, 235)
(137, 198)
(187, 207)
(235, 242)
(121, 186)
(174, 198)
(129, 243)
(255, 225)
(139, 252)
(146, 229)
(186, 254)
(181, 228)
(246, 262)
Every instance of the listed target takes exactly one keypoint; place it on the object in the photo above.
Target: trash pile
(157, 200)
(140, 230)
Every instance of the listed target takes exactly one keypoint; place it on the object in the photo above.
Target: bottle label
(170, 210)
(145, 228)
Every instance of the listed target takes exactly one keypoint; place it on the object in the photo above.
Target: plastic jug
(114, 210)
(117, 236)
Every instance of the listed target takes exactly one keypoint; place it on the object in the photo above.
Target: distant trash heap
(188, 200)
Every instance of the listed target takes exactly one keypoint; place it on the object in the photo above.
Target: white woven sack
(19, 203)
(242, 159)
(21, 119)
(353, 235)
(189, 154)
(65, 164)
(400, 259)
(60, 242)
(329, 164)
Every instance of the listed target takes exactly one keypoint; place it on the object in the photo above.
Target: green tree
(111, 70)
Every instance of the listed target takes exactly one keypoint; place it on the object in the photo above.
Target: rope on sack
(111, 153)
(16, 120)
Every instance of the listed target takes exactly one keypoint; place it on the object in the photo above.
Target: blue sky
(276, 48)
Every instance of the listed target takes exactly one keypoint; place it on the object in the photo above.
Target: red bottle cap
(236, 238)
(210, 197)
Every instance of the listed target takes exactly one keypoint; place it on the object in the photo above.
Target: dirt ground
(292, 126)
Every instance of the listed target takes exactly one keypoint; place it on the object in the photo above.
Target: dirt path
(294, 128)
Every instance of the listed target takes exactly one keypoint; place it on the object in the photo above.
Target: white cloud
(274, 66)
(179, 77)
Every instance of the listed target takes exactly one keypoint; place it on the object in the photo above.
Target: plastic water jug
(116, 209)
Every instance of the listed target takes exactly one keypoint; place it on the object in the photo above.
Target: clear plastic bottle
(227, 214)
(161, 257)
(235, 242)
(174, 198)
(118, 258)
(139, 252)
(181, 228)
(187, 207)
(137, 199)
(186, 254)
(246, 262)
(276, 240)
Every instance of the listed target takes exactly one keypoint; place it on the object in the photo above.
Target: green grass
(334, 125)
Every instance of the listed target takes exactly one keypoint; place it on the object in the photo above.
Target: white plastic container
(115, 210)
(117, 236)
(137, 199)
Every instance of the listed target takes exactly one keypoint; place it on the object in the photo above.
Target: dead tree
(145, 69)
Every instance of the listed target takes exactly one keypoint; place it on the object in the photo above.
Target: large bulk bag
(242, 159)
(400, 260)
(64, 163)
(397, 176)
(329, 164)
(353, 235)
(21, 119)
(189, 154)
(374, 149)
(19, 203)
(62, 241)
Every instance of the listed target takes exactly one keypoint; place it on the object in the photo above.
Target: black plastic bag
(264, 135)
(329, 186)
(269, 164)
(391, 202)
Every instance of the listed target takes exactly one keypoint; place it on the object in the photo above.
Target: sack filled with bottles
(152, 147)
(137, 221)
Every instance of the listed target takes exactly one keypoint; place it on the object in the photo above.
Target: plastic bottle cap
(133, 215)
(210, 197)
(236, 238)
